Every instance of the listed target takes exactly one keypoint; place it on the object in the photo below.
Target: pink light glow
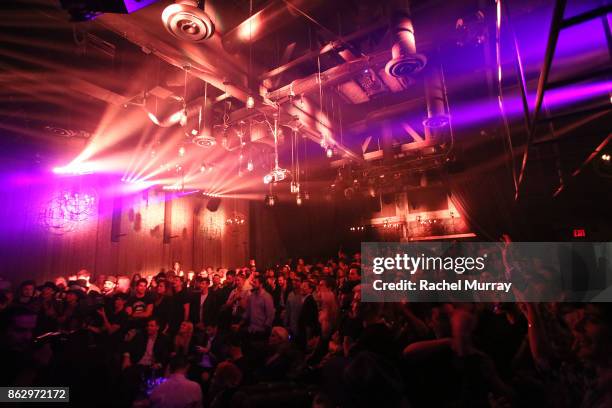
(76, 169)
(249, 28)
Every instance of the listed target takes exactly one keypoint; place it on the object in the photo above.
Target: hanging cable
(324, 139)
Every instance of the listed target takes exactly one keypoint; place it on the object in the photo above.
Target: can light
(250, 102)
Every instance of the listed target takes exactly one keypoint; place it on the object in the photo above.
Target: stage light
(181, 151)
(250, 166)
(276, 175)
(605, 157)
(250, 103)
(298, 200)
(76, 169)
(176, 117)
(329, 152)
(202, 168)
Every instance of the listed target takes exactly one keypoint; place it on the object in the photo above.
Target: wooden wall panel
(199, 237)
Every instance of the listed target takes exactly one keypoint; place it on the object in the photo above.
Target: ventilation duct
(404, 59)
(436, 103)
(186, 21)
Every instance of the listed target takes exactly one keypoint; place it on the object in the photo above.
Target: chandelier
(236, 219)
(66, 210)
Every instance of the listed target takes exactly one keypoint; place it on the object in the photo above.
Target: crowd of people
(295, 334)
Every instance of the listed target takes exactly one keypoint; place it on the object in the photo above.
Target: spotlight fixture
(177, 117)
(276, 175)
(250, 103)
(329, 152)
(294, 188)
(298, 199)
(270, 200)
(186, 21)
(605, 157)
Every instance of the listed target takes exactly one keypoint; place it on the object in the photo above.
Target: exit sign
(579, 233)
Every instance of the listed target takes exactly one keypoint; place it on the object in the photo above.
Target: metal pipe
(586, 16)
(436, 103)
(271, 18)
(331, 46)
(588, 160)
(553, 36)
(330, 77)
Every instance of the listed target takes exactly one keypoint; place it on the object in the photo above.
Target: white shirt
(177, 392)
(147, 358)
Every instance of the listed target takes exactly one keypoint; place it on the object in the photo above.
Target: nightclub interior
(193, 193)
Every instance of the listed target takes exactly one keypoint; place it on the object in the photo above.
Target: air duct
(404, 59)
(186, 21)
(436, 103)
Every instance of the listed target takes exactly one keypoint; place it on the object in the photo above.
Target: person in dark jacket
(149, 349)
(308, 322)
(204, 305)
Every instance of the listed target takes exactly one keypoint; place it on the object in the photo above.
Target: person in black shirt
(180, 306)
(49, 307)
(140, 306)
(163, 305)
(227, 287)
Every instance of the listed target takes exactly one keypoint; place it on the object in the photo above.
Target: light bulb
(298, 200)
(250, 103)
(268, 178)
(329, 152)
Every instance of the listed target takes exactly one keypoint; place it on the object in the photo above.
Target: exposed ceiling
(318, 65)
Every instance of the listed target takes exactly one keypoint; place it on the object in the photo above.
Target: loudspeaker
(116, 220)
(213, 204)
(167, 218)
